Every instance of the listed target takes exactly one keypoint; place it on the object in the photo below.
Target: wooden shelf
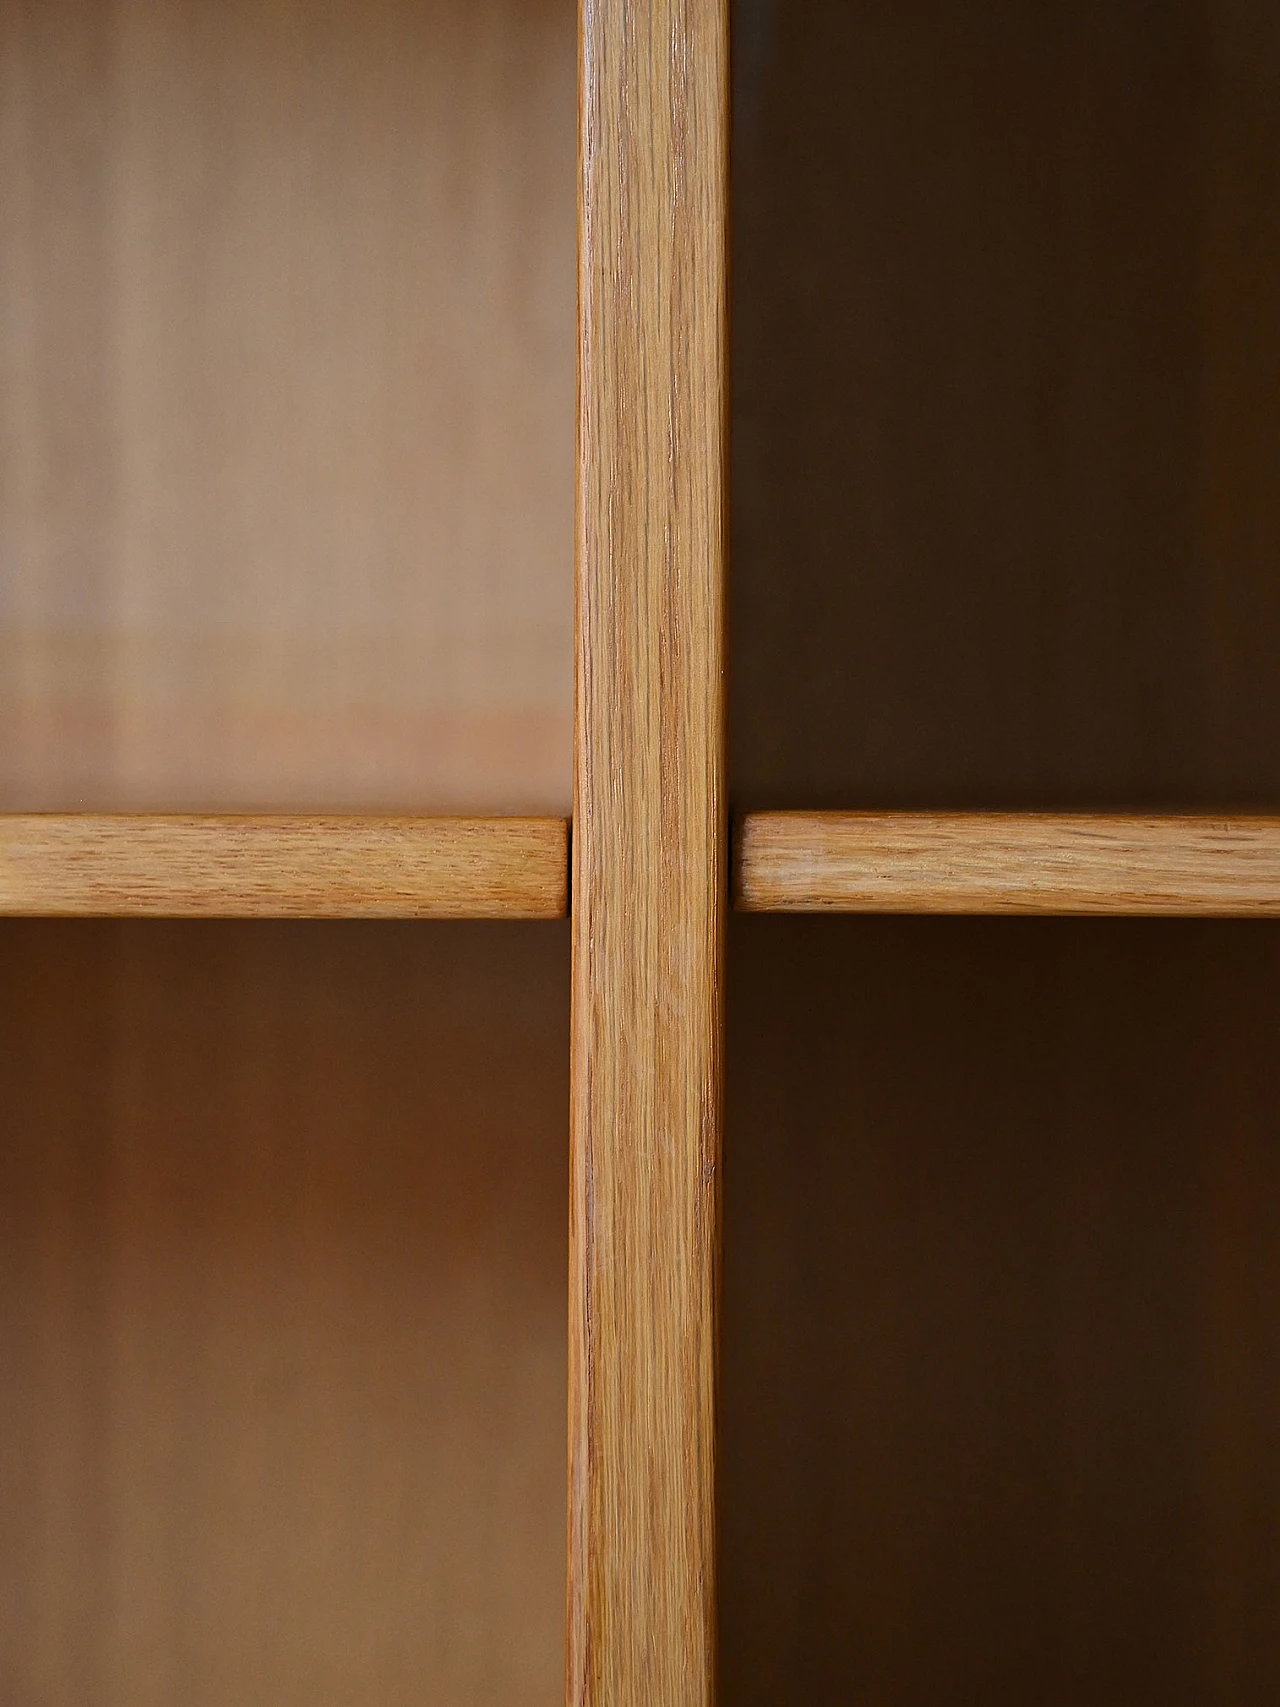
(326, 866)
(54, 864)
(981, 862)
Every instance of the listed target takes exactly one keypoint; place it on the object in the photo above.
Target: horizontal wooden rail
(85, 864)
(221, 866)
(995, 862)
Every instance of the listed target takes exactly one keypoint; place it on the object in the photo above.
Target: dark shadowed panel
(1002, 1198)
(1006, 415)
(1001, 1353)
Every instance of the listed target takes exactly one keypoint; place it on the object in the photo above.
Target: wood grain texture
(997, 862)
(283, 1232)
(278, 867)
(648, 853)
(286, 405)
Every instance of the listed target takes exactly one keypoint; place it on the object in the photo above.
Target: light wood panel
(1001, 1333)
(286, 404)
(649, 862)
(992, 862)
(282, 1313)
(273, 867)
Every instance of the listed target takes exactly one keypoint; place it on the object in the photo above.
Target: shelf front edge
(300, 866)
(995, 862)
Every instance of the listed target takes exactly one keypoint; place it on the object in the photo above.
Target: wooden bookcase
(287, 666)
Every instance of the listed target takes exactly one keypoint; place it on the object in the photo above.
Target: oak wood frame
(223, 866)
(1006, 862)
(649, 851)
(649, 855)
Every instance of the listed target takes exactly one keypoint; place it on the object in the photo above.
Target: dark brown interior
(1001, 1354)
(1002, 1198)
(1006, 416)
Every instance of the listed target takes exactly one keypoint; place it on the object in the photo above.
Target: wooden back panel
(283, 1243)
(286, 404)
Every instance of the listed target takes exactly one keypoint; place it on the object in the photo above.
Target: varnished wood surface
(993, 862)
(286, 405)
(649, 864)
(282, 1313)
(281, 867)
(1001, 1327)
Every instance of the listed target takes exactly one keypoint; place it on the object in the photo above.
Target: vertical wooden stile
(649, 856)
